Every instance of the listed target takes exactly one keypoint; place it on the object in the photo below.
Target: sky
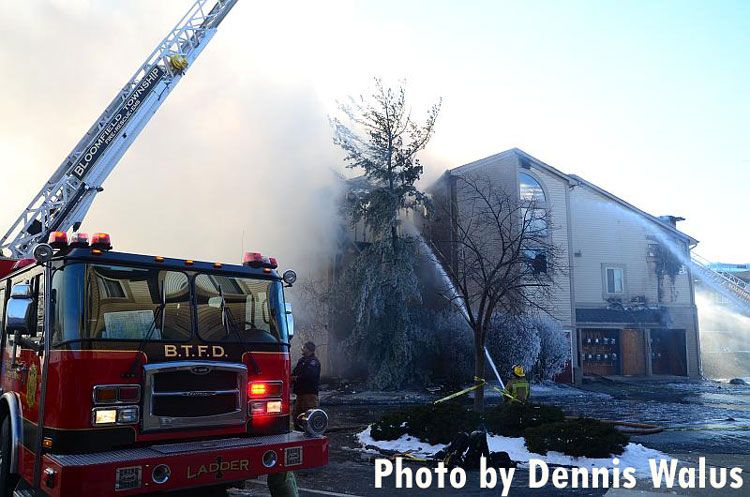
(647, 99)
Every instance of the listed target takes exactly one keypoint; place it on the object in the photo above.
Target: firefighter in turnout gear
(518, 388)
(305, 377)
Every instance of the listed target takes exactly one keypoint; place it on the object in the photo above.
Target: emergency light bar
(256, 259)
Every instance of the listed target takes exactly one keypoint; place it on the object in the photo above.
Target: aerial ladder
(66, 197)
(734, 289)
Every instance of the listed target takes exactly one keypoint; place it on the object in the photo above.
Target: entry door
(668, 354)
(633, 352)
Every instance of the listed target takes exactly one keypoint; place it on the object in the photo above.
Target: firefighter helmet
(518, 371)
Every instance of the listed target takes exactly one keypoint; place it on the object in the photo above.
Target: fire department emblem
(31, 386)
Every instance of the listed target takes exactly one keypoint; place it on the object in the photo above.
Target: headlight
(105, 416)
(108, 416)
(273, 407)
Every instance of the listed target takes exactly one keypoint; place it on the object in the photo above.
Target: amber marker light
(217, 265)
(105, 394)
(189, 263)
(96, 252)
(159, 259)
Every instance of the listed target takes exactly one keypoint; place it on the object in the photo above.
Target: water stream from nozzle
(454, 296)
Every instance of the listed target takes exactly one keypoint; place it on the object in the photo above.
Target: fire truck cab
(125, 374)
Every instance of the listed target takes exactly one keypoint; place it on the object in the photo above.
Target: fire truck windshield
(111, 302)
(234, 309)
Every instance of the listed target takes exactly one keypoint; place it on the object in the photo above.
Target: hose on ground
(629, 427)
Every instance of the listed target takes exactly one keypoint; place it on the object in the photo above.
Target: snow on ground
(406, 443)
(635, 456)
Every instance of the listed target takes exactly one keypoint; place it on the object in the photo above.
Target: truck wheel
(8, 481)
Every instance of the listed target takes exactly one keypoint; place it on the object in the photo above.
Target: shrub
(513, 418)
(554, 351)
(434, 423)
(389, 427)
(513, 339)
(582, 437)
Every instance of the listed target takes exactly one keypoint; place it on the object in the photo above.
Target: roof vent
(671, 220)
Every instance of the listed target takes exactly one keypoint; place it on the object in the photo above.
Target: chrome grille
(192, 394)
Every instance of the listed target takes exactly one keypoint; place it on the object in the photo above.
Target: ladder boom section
(65, 198)
(732, 288)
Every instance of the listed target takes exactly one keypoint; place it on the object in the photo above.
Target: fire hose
(479, 382)
(627, 427)
(630, 428)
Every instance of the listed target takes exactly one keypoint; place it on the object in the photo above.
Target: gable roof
(572, 180)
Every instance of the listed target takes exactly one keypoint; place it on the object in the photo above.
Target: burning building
(627, 298)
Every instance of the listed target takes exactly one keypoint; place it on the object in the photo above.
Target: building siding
(606, 233)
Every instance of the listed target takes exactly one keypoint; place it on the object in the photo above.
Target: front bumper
(191, 464)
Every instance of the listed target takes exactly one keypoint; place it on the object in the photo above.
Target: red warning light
(58, 239)
(252, 259)
(79, 240)
(101, 241)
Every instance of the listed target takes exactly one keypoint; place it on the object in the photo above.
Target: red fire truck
(124, 374)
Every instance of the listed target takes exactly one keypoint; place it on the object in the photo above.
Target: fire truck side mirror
(19, 316)
(19, 310)
(289, 320)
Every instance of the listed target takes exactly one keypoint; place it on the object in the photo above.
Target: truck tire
(8, 481)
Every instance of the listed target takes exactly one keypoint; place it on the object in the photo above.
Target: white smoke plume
(235, 159)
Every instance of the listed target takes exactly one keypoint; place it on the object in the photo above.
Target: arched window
(531, 189)
(533, 206)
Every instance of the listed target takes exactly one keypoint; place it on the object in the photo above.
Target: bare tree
(500, 257)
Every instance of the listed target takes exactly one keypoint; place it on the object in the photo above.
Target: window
(39, 297)
(233, 309)
(615, 280)
(534, 222)
(100, 302)
(533, 209)
(112, 289)
(536, 261)
(530, 188)
(159, 304)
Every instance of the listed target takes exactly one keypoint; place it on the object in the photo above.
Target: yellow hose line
(481, 383)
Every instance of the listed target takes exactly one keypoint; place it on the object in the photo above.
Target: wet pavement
(700, 418)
